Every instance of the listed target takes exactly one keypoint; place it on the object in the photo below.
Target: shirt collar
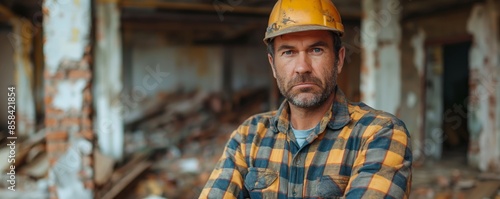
(340, 117)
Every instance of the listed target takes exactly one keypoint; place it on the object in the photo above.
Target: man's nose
(303, 63)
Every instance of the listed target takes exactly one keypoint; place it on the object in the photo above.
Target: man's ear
(271, 62)
(341, 59)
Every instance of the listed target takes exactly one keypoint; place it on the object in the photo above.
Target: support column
(413, 62)
(108, 80)
(22, 41)
(381, 54)
(484, 147)
(68, 99)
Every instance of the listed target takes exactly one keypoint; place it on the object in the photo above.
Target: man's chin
(305, 100)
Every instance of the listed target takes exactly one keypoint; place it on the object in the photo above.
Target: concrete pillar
(484, 150)
(413, 66)
(22, 40)
(381, 54)
(434, 105)
(108, 80)
(68, 99)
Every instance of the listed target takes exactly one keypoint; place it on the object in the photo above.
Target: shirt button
(294, 193)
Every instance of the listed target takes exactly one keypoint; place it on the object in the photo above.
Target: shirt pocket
(258, 179)
(331, 186)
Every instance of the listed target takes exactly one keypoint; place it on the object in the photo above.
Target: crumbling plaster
(381, 53)
(483, 118)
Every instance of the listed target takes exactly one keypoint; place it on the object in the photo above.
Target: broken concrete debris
(189, 132)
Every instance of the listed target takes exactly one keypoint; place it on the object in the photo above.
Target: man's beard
(318, 98)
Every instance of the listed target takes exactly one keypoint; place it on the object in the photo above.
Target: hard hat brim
(300, 28)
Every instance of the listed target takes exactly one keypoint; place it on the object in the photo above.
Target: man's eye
(317, 50)
(288, 52)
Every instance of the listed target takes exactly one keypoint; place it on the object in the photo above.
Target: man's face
(305, 67)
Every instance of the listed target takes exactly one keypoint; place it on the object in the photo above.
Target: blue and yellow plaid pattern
(354, 152)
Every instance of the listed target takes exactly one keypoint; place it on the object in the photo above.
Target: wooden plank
(484, 189)
(26, 146)
(119, 173)
(127, 179)
(103, 167)
(39, 167)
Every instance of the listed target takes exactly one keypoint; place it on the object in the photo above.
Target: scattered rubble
(189, 134)
(172, 143)
(454, 184)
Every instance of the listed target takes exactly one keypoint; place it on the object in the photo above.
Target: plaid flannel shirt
(354, 152)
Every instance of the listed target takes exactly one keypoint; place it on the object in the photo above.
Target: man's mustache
(300, 79)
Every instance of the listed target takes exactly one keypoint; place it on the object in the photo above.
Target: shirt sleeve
(383, 166)
(227, 179)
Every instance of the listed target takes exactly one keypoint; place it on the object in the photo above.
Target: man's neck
(307, 118)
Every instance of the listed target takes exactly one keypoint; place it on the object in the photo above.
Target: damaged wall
(483, 118)
(450, 27)
(422, 88)
(381, 54)
(425, 36)
(158, 65)
(177, 65)
(68, 99)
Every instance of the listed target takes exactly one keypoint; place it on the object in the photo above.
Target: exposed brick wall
(68, 99)
(65, 126)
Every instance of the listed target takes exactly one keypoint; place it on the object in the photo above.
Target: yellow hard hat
(290, 16)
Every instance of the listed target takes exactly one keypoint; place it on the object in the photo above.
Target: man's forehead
(306, 37)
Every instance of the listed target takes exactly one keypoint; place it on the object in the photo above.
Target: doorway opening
(455, 95)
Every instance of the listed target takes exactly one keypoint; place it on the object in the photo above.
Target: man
(317, 144)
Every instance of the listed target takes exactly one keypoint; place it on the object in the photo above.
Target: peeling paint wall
(21, 39)
(67, 31)
(68, 98)
(381, 53)
(483, 118)
(108, 80)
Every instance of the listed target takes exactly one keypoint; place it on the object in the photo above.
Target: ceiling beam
(172, 26)
(6, 13)
(130, 15)
(419, 9)
(215, 7)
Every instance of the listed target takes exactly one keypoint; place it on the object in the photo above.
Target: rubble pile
(464, 183)
(187, 133)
